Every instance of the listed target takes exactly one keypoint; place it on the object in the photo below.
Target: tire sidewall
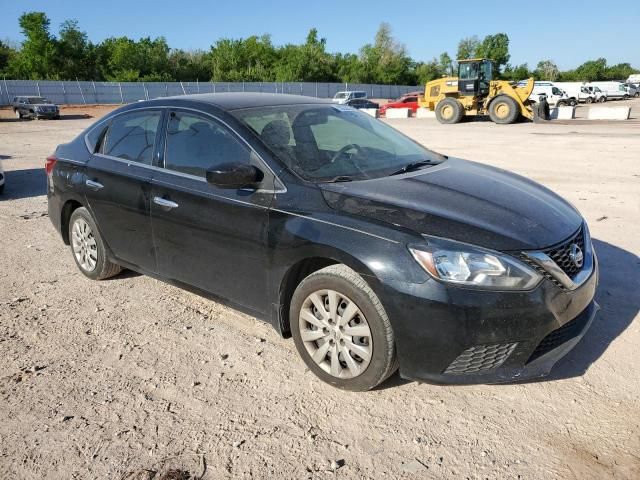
(84, 214)
(377, 367)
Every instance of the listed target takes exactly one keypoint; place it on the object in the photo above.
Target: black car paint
(244, 246)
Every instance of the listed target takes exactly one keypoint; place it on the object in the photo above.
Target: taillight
(49, 164)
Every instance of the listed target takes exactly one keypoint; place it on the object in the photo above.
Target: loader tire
(449, 110)
(504, 110)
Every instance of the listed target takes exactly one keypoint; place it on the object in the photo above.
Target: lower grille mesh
(480, 358)
(559, 336)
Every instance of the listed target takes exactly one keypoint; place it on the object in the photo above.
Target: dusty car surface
(34, 107)
(372, 251)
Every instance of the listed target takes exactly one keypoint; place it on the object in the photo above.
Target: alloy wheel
(84, 245)
(335, 334)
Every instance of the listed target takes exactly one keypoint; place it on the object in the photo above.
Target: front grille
(560, 254)
(480, 358)
(559, 336)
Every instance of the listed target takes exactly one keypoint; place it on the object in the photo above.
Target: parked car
(34, 107)
(632, 90)
(372, 251)
(344, 97)
(409, 100)
(362, 103)
(2, 179)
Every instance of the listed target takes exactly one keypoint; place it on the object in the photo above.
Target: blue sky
(567, 32)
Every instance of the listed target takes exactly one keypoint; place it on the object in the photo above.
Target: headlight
(462, 264)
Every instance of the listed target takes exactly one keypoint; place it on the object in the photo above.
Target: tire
(18, 114)
(573, 102)
(625, 97)
(87, 247)
(637, 94)
(588, 100)
(504, 110)
(323, 337)
(602, 99)
(561, 103)
(449, 110)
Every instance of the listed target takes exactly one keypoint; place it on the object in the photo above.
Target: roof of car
(235, 101)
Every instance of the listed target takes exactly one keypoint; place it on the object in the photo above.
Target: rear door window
(132, 136)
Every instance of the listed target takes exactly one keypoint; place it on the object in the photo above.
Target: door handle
(94, 185)
(164, 203)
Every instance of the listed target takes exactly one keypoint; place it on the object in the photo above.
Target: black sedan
(362, 103)
(372, 251)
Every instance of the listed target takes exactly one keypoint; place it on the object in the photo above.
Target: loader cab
(474, 76)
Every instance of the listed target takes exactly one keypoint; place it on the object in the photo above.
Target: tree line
(71, 55)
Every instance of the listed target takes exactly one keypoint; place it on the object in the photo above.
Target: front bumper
(47, 115)
(451, 335)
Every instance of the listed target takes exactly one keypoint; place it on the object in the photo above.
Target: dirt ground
(131, 377)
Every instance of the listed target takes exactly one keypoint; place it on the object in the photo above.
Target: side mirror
(234, 175)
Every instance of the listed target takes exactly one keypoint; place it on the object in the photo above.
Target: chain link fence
(79, 93)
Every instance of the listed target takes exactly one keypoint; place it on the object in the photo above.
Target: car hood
(463, 201)
(44, 105)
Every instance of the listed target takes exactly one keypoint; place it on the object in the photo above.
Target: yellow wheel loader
(475, 92)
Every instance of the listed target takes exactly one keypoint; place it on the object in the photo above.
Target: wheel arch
(67, 210)
(305, 266)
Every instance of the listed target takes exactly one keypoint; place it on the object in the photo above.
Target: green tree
(495, 47)
(386, 61)
(546, 70)
(74, 53)
(468, 48)
(516, 73)
(36, 59)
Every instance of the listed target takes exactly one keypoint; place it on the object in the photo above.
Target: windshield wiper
(409, 167)
(339, 178)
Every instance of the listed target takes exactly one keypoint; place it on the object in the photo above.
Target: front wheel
(589, 100)
(88, 248)
(449, 110)
(341, 329)
(573, 102)
(17, 114)
(504, 110)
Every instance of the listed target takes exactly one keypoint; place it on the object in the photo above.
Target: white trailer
(635, 79)
(614, 90)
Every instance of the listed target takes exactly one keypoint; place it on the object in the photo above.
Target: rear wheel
(589, 100)
(449, 110)
(341, 329)
(504, 110)
(88, 247)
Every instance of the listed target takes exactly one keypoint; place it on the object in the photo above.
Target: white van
(577, 91)
(601, 96)
(555, 96)
(345, 96)
(614, 90)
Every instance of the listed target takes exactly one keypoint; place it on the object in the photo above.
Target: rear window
(359, 94)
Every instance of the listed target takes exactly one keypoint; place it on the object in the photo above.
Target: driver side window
(132, 136)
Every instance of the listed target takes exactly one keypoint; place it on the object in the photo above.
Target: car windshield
(325, 143)
(340, 95)
(37, 100)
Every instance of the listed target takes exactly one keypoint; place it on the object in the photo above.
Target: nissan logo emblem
(576, 255)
